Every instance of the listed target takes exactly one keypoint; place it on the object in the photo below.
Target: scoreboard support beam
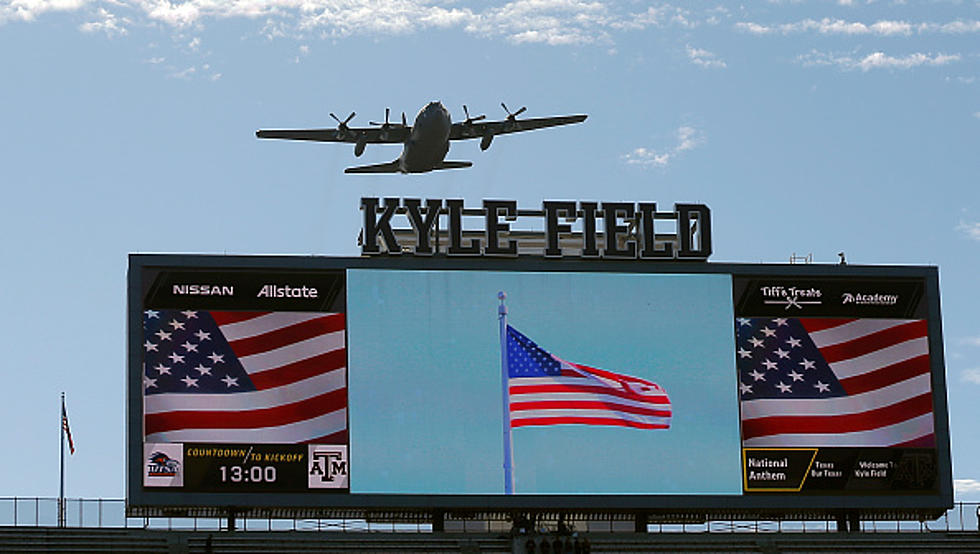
(640, 522)
(438, 521)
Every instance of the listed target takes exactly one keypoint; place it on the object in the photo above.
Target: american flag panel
(244, 377)
(546, 390)
(812, 382)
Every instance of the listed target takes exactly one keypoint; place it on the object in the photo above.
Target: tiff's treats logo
(791, 297)
(875, 299)
(164, 465)
(328, 468)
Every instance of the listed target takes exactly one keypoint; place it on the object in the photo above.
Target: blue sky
(127, 126)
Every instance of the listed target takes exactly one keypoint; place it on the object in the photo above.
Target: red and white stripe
(298, 363)
(883, 365)
(588, 396)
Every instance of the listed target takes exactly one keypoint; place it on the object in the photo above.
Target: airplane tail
(395, 167)
(390, 167)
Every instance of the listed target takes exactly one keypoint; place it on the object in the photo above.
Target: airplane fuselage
(428, 143)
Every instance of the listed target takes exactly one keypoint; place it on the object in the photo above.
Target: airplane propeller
(342, 125)
(513, 116)
(386, 125)
(469, 119)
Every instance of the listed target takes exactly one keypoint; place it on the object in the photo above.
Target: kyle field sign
(629, 230)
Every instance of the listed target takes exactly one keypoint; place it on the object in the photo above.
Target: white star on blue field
(808, 127)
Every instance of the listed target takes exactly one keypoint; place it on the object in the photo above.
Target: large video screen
(363, 385)
(646, 381)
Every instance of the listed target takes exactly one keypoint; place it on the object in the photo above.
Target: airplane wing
(364, 135)
(463, 130)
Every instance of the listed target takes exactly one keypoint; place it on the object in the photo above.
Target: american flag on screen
(250, 377)
(546, 390)
(834, 382)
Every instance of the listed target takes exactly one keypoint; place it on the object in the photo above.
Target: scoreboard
(673, 390)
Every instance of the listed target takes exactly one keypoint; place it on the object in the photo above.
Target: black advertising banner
(837, 470)
(232, 467)
(241, 467)
(246, 290)
(829, 297)
(840, 369)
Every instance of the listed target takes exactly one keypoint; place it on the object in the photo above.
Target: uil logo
(164, 464)
(327, 467)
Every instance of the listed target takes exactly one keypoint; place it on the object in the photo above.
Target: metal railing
(110, 513)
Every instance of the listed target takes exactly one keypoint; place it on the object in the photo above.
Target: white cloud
(651, 17)
(966, 486)
(754, 28)
(972, 230)
(688, 138)
(881, 60)
(877, 60)
(107, 23)
(953, 27)
(972, 375)
(974, 341)
(29, 10)
(184, 73)
(704, 58)
(179, 15)
(554, 22)
(304, 51)
(827, 26)
(548, 21)
(976, 114)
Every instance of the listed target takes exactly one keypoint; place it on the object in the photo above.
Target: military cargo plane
(426, 142)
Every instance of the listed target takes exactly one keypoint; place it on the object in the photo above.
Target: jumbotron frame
(682, 508)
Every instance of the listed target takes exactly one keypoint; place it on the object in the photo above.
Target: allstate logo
(161, 465)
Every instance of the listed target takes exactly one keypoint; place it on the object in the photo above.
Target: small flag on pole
(67, 430)
(546, 390)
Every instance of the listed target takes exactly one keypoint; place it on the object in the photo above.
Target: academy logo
(875, 299)
(328, 467)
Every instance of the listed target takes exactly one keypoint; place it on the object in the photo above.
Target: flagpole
(504, 377)
(61, 490)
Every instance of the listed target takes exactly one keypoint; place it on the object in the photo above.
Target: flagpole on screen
(61, 490)
(504, 376)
